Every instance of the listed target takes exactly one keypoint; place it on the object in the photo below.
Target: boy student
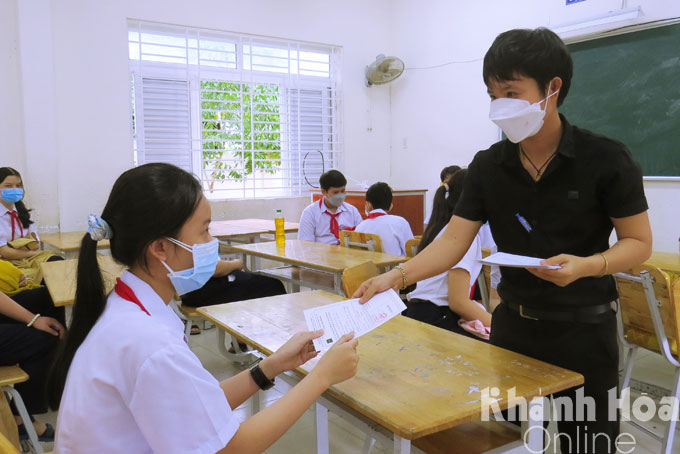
(549, 190)
(394, 231)
(322, 221)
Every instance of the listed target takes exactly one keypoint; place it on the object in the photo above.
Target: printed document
(340, 318)
(517, 261)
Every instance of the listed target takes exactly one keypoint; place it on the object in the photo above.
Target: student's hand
(379, 284)
(22, 280)
(298, 350)
(339, 363)
(51, 326)
(573, 268)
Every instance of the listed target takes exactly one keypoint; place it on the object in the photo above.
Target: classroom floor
(345, 439)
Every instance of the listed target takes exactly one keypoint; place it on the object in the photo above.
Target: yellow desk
(67, 243)
(329, 259)
(413, 379)
(60, 277)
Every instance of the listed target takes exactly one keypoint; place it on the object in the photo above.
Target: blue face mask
(12, 195)
(206, 256)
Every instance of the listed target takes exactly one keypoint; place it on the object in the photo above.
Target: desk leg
(321, 429)
(401, 445)
(533, 436)
(337, 284)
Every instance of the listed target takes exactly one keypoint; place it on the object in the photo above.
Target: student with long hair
(126, 380)
(444, 300)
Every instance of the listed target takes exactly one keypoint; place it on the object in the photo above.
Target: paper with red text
(340, 318)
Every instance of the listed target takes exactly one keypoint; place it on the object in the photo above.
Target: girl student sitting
(126, 380)
(444, 300)
(19, 240)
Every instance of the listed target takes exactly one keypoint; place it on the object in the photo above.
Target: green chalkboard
(627, 87)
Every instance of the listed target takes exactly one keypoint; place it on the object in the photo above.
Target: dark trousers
(589, 349)
(245, 286)
(32, 349)
(440, 316)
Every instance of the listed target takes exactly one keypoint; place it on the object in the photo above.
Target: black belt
(589, 314)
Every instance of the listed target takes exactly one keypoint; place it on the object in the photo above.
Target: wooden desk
(67, 243)
(331, 259)
(288, 227)
(409, 204)
(60, 277)
(413, 379)
(667, 261)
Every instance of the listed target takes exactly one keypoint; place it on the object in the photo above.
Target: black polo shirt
(590, 180)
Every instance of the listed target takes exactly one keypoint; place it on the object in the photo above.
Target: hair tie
(446, 185)
(98, 228)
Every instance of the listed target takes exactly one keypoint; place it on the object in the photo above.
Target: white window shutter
(164, 132)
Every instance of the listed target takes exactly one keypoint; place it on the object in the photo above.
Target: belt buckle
(523, 315)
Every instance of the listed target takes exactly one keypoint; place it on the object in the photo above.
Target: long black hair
(444, 203)
(146, 203)
(23, 213)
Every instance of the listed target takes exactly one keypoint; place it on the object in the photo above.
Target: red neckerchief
(335, 227)
(125, 292)
(375, 215)
(14, 218)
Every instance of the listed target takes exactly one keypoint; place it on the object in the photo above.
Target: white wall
(91, 86)
(440, 116)
(11, 109)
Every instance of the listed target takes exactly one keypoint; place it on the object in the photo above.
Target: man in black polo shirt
(555, 191)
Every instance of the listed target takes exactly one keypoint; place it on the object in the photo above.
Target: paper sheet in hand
(341, 318)
(517, 261)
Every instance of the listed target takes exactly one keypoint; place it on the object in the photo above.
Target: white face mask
(518, 118)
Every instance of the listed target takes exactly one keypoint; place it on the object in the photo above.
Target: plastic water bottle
(280, 233)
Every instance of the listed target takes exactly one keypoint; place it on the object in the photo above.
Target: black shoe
(46, 437)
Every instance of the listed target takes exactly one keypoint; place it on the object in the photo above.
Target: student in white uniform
(444, 299)
(15, 219)
(130, 382)
(444, 178)
(322, 221)
(394, 231)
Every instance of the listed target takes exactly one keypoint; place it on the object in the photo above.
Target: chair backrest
(412, 246)
(358, 240)
(637, 322)
(354, 276)
(7, 424)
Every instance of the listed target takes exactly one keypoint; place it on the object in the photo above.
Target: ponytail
(445, 201)
(89, 304)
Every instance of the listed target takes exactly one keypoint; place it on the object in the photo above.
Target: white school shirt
(135, 387)
(315, 224)
(6, 227)
(394, 231)
(436, 288)
(487, 242)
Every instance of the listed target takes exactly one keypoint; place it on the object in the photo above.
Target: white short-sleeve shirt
(436, 288)
(135, 387)
(6, 227)
(394, 231)
(315, 222)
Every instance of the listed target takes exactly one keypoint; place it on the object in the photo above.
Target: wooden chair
(6, 446)
(474, 437)
(353, 277)
(358, 240)
(484, 281)
(412, 246)
(649, 318)
(10, 376)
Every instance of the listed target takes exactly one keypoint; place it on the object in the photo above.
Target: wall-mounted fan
(383, 70)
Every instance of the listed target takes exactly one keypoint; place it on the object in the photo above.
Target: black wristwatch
(260, 378)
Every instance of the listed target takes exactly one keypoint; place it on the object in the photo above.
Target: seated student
(29, 339)
(394, 231)
(125, 379)
(322, 221)
(444, 300)
(444, 177)
(15, 224)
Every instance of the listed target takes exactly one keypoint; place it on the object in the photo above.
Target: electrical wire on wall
(304, 167)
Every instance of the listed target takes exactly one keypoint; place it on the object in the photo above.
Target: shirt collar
(378, 210)
(151, 301)
(14, 208)
(509, 151)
